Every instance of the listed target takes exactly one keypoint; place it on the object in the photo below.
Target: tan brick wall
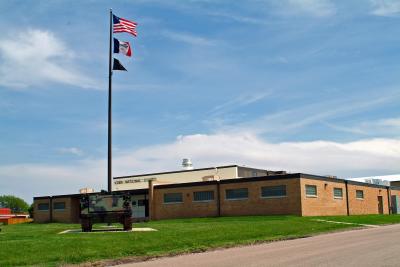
(395, 192)
(369, 205)
(38, 215)
(71, 212)
(255, 205)
(75, 210)
(324, 203)
(69, 215)
(188, 208)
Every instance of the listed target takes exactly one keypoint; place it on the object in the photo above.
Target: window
(43, 206)
(203, 196)
(59, 205)
(241, 193)
(359, 194)
(173, 198)
(337, 192)
(115, 200)
(311, 190)
(273, 191)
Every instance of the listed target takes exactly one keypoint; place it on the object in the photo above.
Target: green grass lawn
(40, 244)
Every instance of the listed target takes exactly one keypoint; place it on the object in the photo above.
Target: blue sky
(300, 85)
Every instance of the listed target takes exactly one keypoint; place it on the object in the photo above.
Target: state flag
(122, 47)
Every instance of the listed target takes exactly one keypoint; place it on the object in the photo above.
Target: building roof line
(136, 191)
(232, 180)
(158, 173)
(273, 177)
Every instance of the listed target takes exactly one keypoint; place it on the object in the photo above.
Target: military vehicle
(105, 208)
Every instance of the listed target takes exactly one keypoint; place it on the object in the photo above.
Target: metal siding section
(395, 204)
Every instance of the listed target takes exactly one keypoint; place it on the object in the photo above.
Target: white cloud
(36, 57)
(71, 150)
(238, 18)
(392, 122)
(346, 129)
(351, 159)
(388, 126)
(385, 7)
(188, 38)
(317, 8)
(239, 101)
(299, 117)
(29, 180)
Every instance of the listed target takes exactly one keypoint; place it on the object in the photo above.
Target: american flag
(124, 25)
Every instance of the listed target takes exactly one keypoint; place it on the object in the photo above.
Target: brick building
(211, 192)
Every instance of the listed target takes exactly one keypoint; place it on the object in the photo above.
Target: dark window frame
(245, 189)
(311, 186)
(165, 201)
(59, 202)
(341, 193)
(274, 188)
(41, 204)
(203, 192)
(362, 194)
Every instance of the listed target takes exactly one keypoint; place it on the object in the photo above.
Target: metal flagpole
(109, 166)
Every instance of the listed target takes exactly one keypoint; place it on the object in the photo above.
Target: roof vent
(187, 164)
(86, 190)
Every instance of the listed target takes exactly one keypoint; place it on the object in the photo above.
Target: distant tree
(14, 203)
(30, 210)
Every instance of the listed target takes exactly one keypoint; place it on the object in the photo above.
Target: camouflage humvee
(105, 208)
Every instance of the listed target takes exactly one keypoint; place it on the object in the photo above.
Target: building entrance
(139, 206)
(380, 204)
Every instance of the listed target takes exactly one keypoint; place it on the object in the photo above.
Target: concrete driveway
(368, 247)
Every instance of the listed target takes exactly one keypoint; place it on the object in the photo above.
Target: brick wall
(71, 212)
(295, 202)
(75, 210)
(256, 205)
(395, 192)
(41, 216)
(68, 215)
(368, 205)
(324, 203)
(253, 205)
(188, 208)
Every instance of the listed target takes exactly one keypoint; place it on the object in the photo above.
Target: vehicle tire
(90, 225)
(127, 223)
(86, 225)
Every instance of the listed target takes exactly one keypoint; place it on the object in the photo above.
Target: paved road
(368, 247)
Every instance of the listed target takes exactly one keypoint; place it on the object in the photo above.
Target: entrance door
(138, 207)
(380, 204)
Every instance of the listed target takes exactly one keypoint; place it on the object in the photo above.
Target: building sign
(135, 180)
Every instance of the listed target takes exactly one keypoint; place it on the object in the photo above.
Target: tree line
(14, 203)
